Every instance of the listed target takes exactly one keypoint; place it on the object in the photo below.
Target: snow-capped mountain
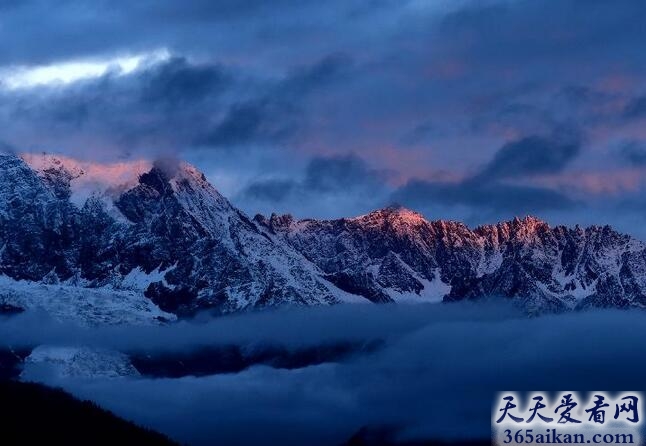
(170, 236)
(158, 239)
(396, 254)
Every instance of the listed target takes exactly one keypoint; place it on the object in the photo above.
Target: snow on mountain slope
(155, 239)
(84, 306)
(168, 235)
(77, 362)
(35, 223)
(395, 254)
(388, 255)
(220, 257)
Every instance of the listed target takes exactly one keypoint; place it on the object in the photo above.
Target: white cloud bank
(66, 72)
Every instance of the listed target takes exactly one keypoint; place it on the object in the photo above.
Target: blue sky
(476, 111)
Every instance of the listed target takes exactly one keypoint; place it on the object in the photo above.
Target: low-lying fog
(434, 373)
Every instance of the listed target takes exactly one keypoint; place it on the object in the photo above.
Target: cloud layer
(435, 376)
(462, 103)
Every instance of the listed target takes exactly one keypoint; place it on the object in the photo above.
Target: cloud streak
(489, 189)
(339, 182)
(253, 94)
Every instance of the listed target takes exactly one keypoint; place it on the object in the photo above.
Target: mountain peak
(186, 247)
(172, 168)
(46, 162)
(80, 179)
(529, 224)
(529, 220)
(108, 173)
(526, 228)
(394, 211)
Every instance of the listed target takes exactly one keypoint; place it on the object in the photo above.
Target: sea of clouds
(435, 375)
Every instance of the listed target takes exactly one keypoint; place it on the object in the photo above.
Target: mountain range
(155, 241)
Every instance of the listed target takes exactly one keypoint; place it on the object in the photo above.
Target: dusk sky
(469, 110)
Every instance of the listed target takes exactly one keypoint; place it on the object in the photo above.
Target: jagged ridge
(395, 252)
(170, 235)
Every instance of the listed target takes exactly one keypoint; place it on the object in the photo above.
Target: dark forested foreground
(31, 413)
(387, 436)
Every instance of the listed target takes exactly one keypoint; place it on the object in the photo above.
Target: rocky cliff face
(395, 254)
(170, 236)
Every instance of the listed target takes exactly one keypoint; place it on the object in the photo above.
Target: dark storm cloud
(433, 85)
(519, 159)
(323, 176)
(494, 198)
(270, 190)
(160, 107)
(486, 190)
(333, 185)
(172, 105)
(525, 31)
(204, 10)
(176, 83)
(162, 91)
(258, 120)
(304, 79)
(634, 153)
(278, 113)
(340, 173)
(583, 95)
(636, 108)
(397, 40)
(522, 62)
(421, 133)
(74, 28)
(530, 156)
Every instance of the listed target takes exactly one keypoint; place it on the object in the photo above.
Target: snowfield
(84, 306)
